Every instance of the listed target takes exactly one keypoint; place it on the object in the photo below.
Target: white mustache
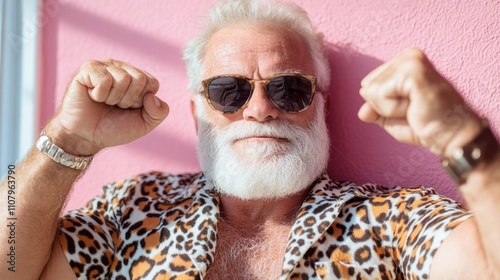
(275, 129)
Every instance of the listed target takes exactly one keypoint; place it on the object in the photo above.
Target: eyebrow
(291, 71)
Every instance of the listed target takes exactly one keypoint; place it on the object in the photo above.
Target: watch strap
(45, 145)
(462, 160)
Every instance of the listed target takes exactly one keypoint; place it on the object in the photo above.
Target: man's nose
(259, 107)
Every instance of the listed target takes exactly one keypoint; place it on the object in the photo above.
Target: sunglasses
(289, 92)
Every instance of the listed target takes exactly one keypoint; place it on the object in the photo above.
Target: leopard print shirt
(163, 226)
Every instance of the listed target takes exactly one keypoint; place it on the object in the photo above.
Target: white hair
(230, 12)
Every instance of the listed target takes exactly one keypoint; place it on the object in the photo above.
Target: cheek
(220, 120)
(312, 112)
(303, 119)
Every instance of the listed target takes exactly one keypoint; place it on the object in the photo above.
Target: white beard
(263, 170)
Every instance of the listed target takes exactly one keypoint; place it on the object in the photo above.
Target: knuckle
(372, 90)
(136, 104)
(413, 64)
(124, 103)
(141, 80)
(110, 61)
(91, 64)
(111, 101)
(363, 92)
(126, 79)
(414, 52)
(107, 76)
(106, 79)
(155, 84)
(122, 76)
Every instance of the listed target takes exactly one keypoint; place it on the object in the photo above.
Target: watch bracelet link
(481, 149)
(46, 146)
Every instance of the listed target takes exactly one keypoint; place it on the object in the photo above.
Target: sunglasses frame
(252, 82)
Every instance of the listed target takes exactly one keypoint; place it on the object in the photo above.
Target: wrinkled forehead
(258, 50)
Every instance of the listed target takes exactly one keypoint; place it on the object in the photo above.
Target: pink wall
(461, 38)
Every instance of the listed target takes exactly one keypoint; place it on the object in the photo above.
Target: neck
(252, 216)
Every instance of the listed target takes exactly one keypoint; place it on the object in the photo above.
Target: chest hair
(243, 257)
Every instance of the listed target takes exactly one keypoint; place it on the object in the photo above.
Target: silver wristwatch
(45, 145)
(462, 160)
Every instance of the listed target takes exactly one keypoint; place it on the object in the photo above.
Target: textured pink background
(460, 37)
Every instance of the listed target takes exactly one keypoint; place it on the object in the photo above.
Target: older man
(263, 208)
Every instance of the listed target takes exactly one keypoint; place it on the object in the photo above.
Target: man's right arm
(107, 104)
(41, 189)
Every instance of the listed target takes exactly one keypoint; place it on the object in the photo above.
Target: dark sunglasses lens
(229, 94)
(291, 93)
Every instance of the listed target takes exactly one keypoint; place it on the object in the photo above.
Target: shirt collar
(317, 213)
(201, 252)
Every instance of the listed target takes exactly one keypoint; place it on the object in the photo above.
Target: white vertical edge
(28, 77)
(18, 49)
(8, 82)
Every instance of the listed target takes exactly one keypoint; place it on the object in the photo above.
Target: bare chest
(259, 257)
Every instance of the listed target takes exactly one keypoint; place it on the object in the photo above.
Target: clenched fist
(107, 103)
(409, 99)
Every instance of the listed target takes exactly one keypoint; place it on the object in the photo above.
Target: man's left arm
(409, 99)
(471, 251)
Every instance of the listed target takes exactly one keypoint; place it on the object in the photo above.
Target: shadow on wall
(115, 33)
(121, 35)
(348, 67)
(361, 152)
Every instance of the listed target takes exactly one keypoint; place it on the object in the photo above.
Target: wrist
(478, 153)
(45, 145)
(468, 131)
(69, 142)
(486, 173)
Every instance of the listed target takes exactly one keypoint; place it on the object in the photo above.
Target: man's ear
(193, 113)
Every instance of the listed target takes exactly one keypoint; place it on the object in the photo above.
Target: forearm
(482, 193)
(41, 188)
